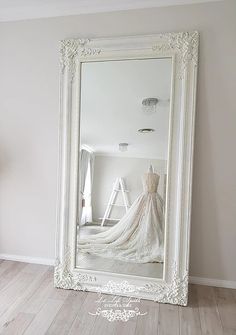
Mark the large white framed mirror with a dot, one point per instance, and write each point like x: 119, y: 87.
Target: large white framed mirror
x: 125, y: 169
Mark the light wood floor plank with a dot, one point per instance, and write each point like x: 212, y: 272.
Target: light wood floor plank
x: 58, y: 293
x: 148, y: 324
x: 21, y: 300
x: 227, y: 308
x: 209, y: 315
x: 45, y: 291
x: 67, y: 314
x: 84, y: 322
x: 44, y: 318
x: 189, y: 316
x: 124, y: 327
x: 40, y: 295
x: 233, y: 293
x: 14, y: 290
x: 4, y: 265
x: 36, y: 268
x: 18, y: 325
x: 10, y: 273
x: 168, y: 320
x: 103, y: 326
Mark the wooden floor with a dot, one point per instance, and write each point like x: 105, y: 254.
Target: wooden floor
x: 30, y: 305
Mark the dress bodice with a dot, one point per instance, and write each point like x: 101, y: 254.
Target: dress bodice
x: 150, y: 182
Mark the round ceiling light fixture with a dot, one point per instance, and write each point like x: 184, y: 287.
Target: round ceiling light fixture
x: 149, y: 105
x: 146, y: 130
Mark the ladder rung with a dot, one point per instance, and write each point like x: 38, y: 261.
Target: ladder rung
x: 109, y: 219
x: 119, y: 205
x: 118, y: 190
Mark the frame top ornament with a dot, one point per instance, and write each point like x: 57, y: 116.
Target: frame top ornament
x: 185, y: 44
x: 71, y: 49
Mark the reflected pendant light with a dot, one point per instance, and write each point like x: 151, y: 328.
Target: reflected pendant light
x: 123, y: 147
x: 149, y: 105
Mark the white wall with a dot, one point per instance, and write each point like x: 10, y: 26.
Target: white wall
x: 29, y: 122
x: 108, y: 168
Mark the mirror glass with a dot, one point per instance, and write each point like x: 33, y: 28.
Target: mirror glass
x: 124, y: 134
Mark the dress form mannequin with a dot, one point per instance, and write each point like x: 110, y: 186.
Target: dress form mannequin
x: 150, y: 169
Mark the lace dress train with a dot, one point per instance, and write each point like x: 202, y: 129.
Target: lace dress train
x: 138, y: 236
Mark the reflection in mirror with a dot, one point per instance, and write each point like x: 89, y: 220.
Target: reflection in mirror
x: 124, y: 133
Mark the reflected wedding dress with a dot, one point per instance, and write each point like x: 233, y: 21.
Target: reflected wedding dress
x: 138, y: 236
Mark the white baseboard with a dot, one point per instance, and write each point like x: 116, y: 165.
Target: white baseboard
x: 192, y: 280
x: 27, y: 259
x: 213, y: 282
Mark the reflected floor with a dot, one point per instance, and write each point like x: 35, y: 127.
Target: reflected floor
x: 92, y: 262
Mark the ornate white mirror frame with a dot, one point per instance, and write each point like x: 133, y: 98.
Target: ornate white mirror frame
x: 182, y: 48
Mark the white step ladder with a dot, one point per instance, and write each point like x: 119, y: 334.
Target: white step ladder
x: 118, y: 186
